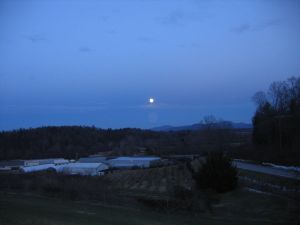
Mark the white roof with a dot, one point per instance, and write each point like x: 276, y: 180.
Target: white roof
x: 47, y: 161
x: 37, y: 167
x: 98, y: 159
x: 84, y: 165
x: 29, y: 160
x: 60, y: 160
x: 137, y: 158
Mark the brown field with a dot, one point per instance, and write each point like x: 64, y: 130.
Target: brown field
x: 153, y: 180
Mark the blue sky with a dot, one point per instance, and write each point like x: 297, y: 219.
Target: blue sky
x: 98, y: 62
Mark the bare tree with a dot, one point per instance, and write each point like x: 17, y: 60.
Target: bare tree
x: 260, y: 99
x: 280, y: 96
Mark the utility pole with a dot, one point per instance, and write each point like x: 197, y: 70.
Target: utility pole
x: 280, y: 128
x: 280, y: 134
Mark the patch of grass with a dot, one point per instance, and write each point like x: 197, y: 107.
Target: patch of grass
x: 260, y: 207
x: 239, y: 207
x: 152, y: 180
x: 283, y: 182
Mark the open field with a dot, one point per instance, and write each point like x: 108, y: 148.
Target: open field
x: 239, y: 207
x: 288, y: 183
x: 122, y: 205
x: 155, y: 180
x: 272, y: 171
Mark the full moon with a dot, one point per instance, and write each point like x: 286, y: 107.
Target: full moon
x: 151, y: 100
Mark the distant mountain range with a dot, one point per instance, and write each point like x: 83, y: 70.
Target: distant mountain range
x: 199, y: 126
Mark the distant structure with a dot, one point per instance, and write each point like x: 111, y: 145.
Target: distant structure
x: 36, y: 163
x: 11, y: 165
x: 85, y: 169
x: 55, y: 161
x: 35, y: 168
x: 93, y: 159
x: 183, y: 157
x: 88, y: 166
x: 129, y: 162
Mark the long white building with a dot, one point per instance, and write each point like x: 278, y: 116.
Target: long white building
x: 85, y: 169
x: 35, y: 168
x: 129, y: 162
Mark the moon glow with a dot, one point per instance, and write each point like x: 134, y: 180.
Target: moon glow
x: 151, y: 100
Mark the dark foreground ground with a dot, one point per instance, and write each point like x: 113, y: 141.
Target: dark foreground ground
x: 238, y: 207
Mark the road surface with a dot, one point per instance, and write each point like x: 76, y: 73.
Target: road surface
x: 267, y: 170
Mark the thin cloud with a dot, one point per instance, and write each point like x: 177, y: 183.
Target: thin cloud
x: 35, y: 38
x: 111, y: 31
x: 103, y: 18
x: 188, y: 45
x: 145, y: 39
x: 56, y: 108
x: 243, y: 28
x: 267, y: 24
x: 179, y: 18
x: 85, y: 49
x: 163, y: 105
x: 174, y: 18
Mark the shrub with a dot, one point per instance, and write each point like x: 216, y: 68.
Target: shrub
x: 217, y: 173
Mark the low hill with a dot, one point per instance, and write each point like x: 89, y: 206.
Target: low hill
x: 79, y: 141
x: 199, y: 126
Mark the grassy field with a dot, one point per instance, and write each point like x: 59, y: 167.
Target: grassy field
x: 271, y: 179
x: 155, y: 180
x: 239, y: 207
x: 245, y: 206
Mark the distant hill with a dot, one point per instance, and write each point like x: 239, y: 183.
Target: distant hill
x: 199, y: 126
x: 79, y: 141
x: 69, y: 141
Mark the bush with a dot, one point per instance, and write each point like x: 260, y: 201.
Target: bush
x: 217, y: 173
x: 58, y: 185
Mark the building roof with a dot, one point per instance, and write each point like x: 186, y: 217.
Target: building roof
x: 12, y: 163
x: 28, y: 169
x: 124, y: 158
x: 85, y: 165
x: 44, y: 160
x: 97, y: 159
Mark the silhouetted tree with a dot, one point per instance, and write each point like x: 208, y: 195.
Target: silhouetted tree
x: 217, y: 173
x: 276, y: 122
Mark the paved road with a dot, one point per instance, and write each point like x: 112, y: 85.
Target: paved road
x: 266, y: 170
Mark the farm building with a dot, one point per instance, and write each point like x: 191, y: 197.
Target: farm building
x: 85, y: 169
x: 29, y: 169
x: 31, y: 162
x: 11, y: 164
x: 128, y: 162
x: 184, y: 157
x: 55, y: 161
x: 32, y: 165
x: 93, y: 159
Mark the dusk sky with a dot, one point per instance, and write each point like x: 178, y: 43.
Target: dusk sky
x: 99, y: 62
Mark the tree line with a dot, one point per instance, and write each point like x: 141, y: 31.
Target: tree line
x: 79, y: 141
x: 276, y: 123
x: 66, y: 141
